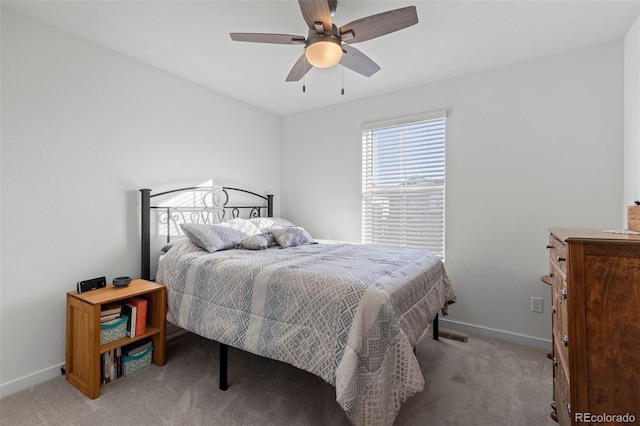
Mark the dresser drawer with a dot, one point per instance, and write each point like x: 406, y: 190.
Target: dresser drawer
x: 560, y: 315
x: 558, y: 253
x: 561, y: 388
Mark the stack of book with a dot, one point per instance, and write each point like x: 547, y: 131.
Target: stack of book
x: 110, y: 312
x: 111, y: 365
x: 136, y: 310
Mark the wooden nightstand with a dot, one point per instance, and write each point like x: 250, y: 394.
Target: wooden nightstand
x: 83, y: 330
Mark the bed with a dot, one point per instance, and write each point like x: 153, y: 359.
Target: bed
x: 348, y: 313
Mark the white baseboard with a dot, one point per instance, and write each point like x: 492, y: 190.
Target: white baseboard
x: 507, y: 336
x: 36, y: 378
x: 26, y: 382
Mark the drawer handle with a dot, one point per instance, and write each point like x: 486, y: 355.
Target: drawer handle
x: 565, y: 340
x: 549, y: 247
x: 563, y: 294
x: 553, y: 309
x: 561, y: 259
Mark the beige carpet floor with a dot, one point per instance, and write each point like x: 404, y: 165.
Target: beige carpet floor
x: 481, y: 382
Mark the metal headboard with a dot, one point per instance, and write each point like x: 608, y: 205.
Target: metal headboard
x: 206, y: 205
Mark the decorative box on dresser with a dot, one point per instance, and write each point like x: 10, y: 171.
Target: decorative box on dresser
x: 595, y: 296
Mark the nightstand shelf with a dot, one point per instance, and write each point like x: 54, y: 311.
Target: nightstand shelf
x: 83, y: 348
x: 151, y: 331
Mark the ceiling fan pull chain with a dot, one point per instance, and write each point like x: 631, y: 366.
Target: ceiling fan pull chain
x: 342, y: 66
x: 304, y: 77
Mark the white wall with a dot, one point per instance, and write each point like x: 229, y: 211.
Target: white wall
x: 631, y: 117
x: 529, y: 146
x: 83, y: 128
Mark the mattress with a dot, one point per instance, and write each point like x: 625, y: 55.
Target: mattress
x: 348, y: 313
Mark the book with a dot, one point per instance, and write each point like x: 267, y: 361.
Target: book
x: 118, y: 362
x: 107, y: 367
x: 112, y: 364
x: 141, y: 314
x: 105, y: 318
x: 111, y: 308
x: 102, y: 380
x: 131, y: 311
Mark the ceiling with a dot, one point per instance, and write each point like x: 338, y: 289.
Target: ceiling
x: 191, y: 39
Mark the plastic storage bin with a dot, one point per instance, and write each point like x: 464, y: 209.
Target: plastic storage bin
x: 113, y: 330
x: 133, y: 363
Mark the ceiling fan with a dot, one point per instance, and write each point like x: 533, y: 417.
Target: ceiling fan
x: 326, y: 45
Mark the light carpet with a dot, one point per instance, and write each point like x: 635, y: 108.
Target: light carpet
x: 481, y: 382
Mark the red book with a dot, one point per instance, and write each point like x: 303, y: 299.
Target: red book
x: 141, y: 314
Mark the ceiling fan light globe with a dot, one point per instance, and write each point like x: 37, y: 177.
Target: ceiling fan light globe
x: 324, y: 54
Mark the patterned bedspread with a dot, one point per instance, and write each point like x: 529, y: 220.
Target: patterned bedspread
x: 348, y: 313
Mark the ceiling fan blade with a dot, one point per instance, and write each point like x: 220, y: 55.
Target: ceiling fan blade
x: 378, y: 25
x: 300, y: 68
x: 357, y: 61
x: 268, y: 38
x: 316, y: 11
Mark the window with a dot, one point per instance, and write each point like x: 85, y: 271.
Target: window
x: 403, y: 173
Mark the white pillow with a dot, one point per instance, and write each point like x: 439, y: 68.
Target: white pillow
x: 243, y: 225
x: 292, y: 236
x: 212, y: 237
x: 257, y: 242
x: 265, y: 224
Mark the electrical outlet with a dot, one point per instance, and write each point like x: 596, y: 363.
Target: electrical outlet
x: 536, y: 304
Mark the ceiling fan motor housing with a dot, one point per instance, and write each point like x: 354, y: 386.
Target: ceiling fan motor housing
x: 323, y: 50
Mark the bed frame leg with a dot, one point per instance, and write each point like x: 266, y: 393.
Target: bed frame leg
x: 436, y: 333
x: 224, y: 352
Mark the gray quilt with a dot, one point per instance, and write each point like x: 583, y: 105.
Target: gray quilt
x: 348, y: 313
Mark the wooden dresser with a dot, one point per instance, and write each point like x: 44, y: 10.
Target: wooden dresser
x: 595, y: 282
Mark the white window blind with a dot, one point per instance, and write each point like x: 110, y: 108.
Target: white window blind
x: 403, y: 182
